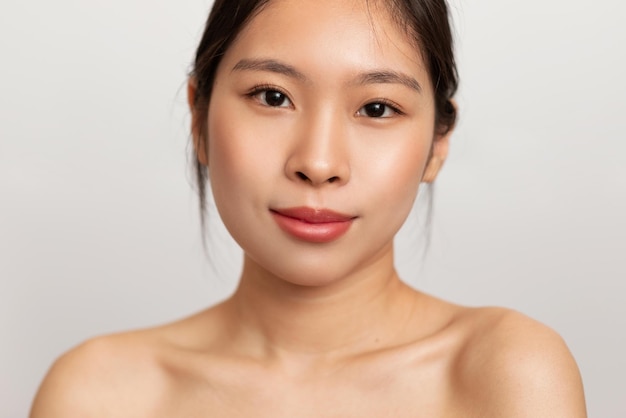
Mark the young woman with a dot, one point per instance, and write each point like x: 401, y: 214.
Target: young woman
x: 315, y: 122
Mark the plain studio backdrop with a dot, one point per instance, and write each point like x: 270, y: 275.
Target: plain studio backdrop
x: 99, y: 230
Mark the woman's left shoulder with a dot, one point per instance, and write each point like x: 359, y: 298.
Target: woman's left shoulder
x: 517, y: 366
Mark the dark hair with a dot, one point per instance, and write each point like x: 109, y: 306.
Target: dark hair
x: 427, y: 23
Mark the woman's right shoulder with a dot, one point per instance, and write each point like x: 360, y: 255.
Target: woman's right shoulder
x: 98, y: 378
x: 125, y: 374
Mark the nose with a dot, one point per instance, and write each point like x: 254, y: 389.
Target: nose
x: 319, y: 155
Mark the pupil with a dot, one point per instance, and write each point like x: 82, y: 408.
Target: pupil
x: 274, y: 98
x: 375, y: 110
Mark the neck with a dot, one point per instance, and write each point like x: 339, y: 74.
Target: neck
x: 276, y: 318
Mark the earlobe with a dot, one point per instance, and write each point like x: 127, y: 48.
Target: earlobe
x: 199, y: 142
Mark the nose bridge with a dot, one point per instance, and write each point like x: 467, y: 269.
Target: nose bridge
x: 319, y: 155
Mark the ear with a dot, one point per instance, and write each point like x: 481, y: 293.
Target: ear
x: 438, y: 154
x: 199, y: 142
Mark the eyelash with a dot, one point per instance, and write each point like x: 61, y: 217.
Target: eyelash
x: 262, y: 88
x: 385, y: 102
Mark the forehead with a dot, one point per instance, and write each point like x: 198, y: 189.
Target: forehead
x: 332, y: 34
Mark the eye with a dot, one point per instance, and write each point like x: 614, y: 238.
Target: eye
x: 378, y: 110
x: 270, y: 97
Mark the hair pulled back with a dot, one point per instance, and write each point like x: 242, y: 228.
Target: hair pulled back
x: 426, y: 22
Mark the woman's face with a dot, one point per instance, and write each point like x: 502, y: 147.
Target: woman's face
x: 319, y: 131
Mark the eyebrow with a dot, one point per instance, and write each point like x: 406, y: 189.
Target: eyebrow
x: 389, y: 77
x: 270, y: 65
x: 370, y: 77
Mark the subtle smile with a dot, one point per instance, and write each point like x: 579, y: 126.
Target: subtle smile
x: 312, y: 225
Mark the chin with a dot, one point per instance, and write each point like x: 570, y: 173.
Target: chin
x: 308, y: 270
x: 319, y: 266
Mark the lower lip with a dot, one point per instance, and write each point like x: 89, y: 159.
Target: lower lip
x: 312, y: 232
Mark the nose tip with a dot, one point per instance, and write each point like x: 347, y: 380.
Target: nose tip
x: 318, y: 168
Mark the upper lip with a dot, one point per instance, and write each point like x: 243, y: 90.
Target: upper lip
x: 313, y: 215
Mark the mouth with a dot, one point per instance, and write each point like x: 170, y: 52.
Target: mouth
x: 312, y: 225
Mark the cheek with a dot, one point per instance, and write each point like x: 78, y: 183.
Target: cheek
x: 226, y: 162
x: 236, y: 169
x: 394, y: 174
x: 395, y: 167
x: 401, y: 190
x: 236, y: 157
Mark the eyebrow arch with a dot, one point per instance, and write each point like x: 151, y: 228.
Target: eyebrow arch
x: 270, y: 65
x: 391, y: 77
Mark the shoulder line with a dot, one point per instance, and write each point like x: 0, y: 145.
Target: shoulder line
x: 520, y: 368
x: 93, y: 378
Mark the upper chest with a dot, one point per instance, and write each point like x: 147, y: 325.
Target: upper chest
x: 393, y: 386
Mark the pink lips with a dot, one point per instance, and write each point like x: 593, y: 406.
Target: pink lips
x: 312, y: 225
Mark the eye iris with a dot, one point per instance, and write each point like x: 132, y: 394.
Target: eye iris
x: 375, y: 110
x: 274, y: 98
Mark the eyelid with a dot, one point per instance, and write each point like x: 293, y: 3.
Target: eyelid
x: 394, y: 107
x: 260, y: 88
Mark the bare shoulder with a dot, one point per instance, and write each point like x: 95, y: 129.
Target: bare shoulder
x: 99, y: 378
x: 511, y: 365
x: 130, y: 374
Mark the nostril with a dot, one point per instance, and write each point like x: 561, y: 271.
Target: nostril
x: 306, y: 178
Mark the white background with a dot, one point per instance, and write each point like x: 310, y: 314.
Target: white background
x: 99, y: 229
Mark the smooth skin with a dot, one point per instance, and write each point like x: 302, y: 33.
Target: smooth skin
x: 300, y: 116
